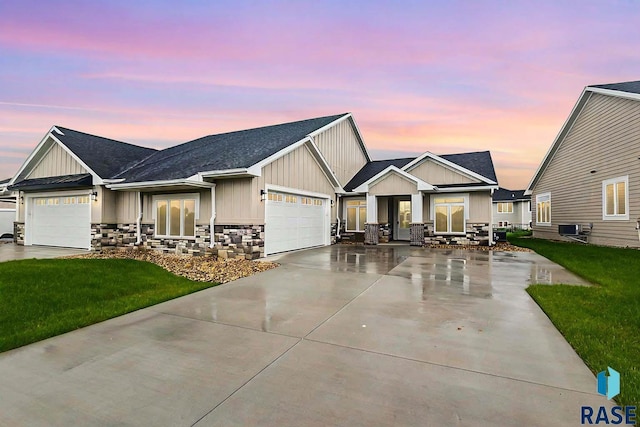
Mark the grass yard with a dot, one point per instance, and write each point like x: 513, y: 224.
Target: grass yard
x: 43, y: 298
x: 602, y: 322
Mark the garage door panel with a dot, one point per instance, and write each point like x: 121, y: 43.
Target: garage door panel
x: 61, y: 221
x: 294, y: 221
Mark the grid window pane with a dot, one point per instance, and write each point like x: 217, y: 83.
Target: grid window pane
x: 457, y: 219
x: 362, y: 218
x: 161, y: 218
x: 189, y: 217
x: 174, y: 218
x: 442, y: 212
x: 621, y: 196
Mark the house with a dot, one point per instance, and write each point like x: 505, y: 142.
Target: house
x: 424, y: 200
x: 248, y: 193
x: 511, y: 209
x: 587, y: 187
x: 7, y: 208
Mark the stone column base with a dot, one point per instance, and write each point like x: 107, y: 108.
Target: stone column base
x: 416, y: 234
x: 371, y: 234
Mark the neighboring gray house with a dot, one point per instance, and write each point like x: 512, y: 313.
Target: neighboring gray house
x: 587, y: 187
x: 248, y: 193
x: 511, y: 209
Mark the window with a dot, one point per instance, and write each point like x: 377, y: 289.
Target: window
x: 449, y: 214
x: 176, y: 215
x: 356, y: 215
x: 275, y: 197
x: 317, y: 202
x: 543, y: 209
x: 53, y: 201
x: 505, y: 207
x: 83, y: 200
x: 41, y: 202
x: 615, y: 198
x: 69, y: 201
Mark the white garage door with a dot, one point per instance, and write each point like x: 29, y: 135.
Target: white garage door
x: 294, y: 221
x: 61, y: 221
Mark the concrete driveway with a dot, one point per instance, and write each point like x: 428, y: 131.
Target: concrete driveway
x: 11, y: 251
x: 342, y: 335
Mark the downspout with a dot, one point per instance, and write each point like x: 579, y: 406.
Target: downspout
x: 213, y: 216
x: 338, y: 217
x: 491, y: 242
x: 139, y: 220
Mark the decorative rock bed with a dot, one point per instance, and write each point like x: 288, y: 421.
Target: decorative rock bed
x: 202, y: 268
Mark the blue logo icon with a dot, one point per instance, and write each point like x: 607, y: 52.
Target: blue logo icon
x: 609, y: 385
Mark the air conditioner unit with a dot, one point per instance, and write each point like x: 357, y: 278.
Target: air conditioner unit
x: 569, y: 229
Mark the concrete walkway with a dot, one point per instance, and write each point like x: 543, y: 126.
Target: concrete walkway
x: 341, y: 335
x: 11, y: 251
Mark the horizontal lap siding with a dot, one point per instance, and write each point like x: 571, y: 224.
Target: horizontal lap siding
x: 341, y: 149
x: 605, y: 138
x: 56, y: 162
x: 433, y: 173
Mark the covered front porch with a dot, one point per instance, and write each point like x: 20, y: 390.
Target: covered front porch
x: 400, y: 207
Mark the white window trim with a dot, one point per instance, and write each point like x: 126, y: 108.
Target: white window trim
x: 615, y: 217
x: 465, y: 204
x: 539, y: 198
x: 357, y: 208
x: 169, y: 197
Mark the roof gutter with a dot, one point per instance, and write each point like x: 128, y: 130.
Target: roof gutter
x: 159, y: 184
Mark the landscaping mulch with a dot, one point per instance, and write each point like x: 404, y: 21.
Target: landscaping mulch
x: 199, y: 268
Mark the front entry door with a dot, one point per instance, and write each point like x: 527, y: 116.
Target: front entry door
x: 403, y: 219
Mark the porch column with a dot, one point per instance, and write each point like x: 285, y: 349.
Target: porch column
x: 416, y: 233
x: 371, y: 225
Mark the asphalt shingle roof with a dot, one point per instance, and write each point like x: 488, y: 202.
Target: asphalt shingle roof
x: 505, y: 195
x: 479, y: 162
x: 106, y: 157
x: 233, y: 150
x: 51, y: 182
x: 631, y: 87
x: 373, y: 168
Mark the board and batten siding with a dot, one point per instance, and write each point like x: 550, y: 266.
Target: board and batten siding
x: 341, y: 148
x: 393, y: 184
x: 238, y: 201
x: 605, y: 138
x: 437, y: 174
x: 56, y: 162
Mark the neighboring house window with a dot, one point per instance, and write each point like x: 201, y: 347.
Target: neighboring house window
x: 176, y: 215
x: 543, y: 209
x: 450, y: 215
x: 356, y: 215
x: 615, y: 198
x: 528, y: 206
x: 505, y: 207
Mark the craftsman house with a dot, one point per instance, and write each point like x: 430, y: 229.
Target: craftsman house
x: 247, y: 193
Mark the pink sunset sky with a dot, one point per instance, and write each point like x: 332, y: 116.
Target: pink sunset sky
x: 444, y: 77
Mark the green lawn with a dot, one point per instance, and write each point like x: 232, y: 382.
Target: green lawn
x: 602, y: 322
x: 43, y: 298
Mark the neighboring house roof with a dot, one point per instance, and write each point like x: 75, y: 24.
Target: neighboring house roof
x: 53, y: 182
x: 106, y: 157
x: 505, y: 195
x: 627, y: 90
x: 226, y: 151
x: 373, y: 168
x: 478, y: 162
